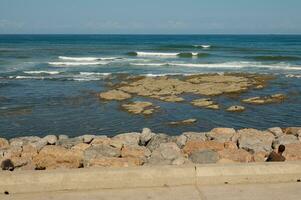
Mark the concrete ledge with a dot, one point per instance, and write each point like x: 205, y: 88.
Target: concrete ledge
x: 157, y: 176
x: 248, y: 173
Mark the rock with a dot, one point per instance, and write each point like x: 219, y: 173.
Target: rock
x: 276, y: 98
x: 195, y: 136
x: 293, y: 131
x: 292, y: 152
x: 171, y: 98
x: 129, y: 139
x: 51, y: 139
x: 236, y: 108
x: 230, y: 145
x: 260, y: 156
x: 236, y: 155
x: 52, y: 157
x: 255, y: 141
x: 13, y: 151
x: 146, y: 136
x: 4, y: 143
x: 114, y: 95
x: 69, y: 143
x: 169, y: 151
x: 180, y: 161
x: 184, y: 122
x: 139, y: 107
x: 204, y: 156
x: 29, y: 151
x: 221, y: 134
x: 101, y: 150
x: 113, y: 162
x: 197, y: 145
x: 87, y: 138
x: 135, y: 152
x: 181, y: 141
x: 276, y: 131
x: 284, y: 140
x: 156, y: 158
x: 63, y: 137
x: 205, y: 103
x: 157, y: 140
x: 81, y: 146
x: 20, y: 141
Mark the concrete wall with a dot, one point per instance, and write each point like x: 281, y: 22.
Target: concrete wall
x: 157, y: 176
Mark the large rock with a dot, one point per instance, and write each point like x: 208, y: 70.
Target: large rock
x: 165, y: 154
x: 87, y: 138
x: 236, y: 155
x: 183, y: 122
x: 277, y: 131
x: 204, y: 156
x: 129, y: 139
x: 20, y: 141
x: 139, y: 107
x: 197, y: 145
x: 4, y: 143
x: 292, y: 152
x: 221, y: 134
x: 146, y: 136
x: 52, y: 157
x: 205, y: 103
x: 51, y: 139
x: 157, y: 140
x: 181, y: 141
x: 101, y: 150
x: 115, y: 95
x: 284, y: 140
x: 293, y: 131
x: 113, y: 162
x: 195, y: 136
x: 254, y: 141
x: 135, y: 152
x: 275, y: 98
x: 69, y: 143
x: 236, y: 108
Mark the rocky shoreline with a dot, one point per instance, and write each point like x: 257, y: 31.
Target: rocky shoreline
x: 220, y: 145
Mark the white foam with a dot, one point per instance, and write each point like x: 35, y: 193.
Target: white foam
x: 79, y: 59
x: 77, y: 63
x: 94, y: 74
x: 205, y: 46
x: 42, y: 72
x: 293, y: 76
x: 27, y: 77
x: 157, y: 54
x: 149, y: 64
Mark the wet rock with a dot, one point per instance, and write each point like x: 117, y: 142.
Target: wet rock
x: 157, y: 140
x: 129, y: 139
x: 52, y: 157
x: 139, y: 107
x: 51, y: 139
x: 284, y: 140
x: 221, y: 134
x: 205, y: 103
x: 254, y: 141
x: 236, y: 108
x: 236, y: 155
x: 276, y: 131
x: 195, y: 136
x: 204, y: 156
x: 114, y: 95
x: 184, y: 122
x: 171, y: 98
x: 276, y: 98
x: 146, y: 136
x: 4, y: 143
x: 196, y: 145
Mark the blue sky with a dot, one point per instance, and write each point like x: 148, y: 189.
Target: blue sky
x: 151, y: 16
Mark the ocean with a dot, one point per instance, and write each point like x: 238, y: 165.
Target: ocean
x: 48, y: 83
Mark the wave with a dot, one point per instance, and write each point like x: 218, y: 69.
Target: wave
x: 293, y: 76
x: 79, y: 59
x: 241, y: 64
x: 77, y: 63
x: 276, y: 58
x: 94, y: 74
x: 204, y: 46
x: 161, y: 54
x: 42, y: 72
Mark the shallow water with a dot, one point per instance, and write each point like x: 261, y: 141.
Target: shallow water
x: 48, y: 82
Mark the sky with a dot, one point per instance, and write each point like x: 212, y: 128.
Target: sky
x: 150, y: 16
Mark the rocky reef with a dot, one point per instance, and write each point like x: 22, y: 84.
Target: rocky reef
x: 220, y: 145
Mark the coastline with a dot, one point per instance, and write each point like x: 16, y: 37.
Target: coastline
x: 220, y: 145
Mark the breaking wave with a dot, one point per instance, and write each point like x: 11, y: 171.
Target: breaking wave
x: 42, y: 72
x: 161, y: 54
x: 77, y: 63
x: 79, y: 59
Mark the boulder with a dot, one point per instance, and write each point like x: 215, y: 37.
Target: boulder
x: 146, y: 136
x: 183, y: 122
x: 255, y: 141
x: 135, y: 152
x: 195, y: 136
x: 63, y: 137
x: 87, y: 138
x: 114, y: 95
x: 284, y: 140
x: 221, y: 134
x: 69, y: 143
x: 157, y: 140
x: 52, y: 157
x: 293, y: 131
x: 260, y: 156
x: 51, y: 139
x: 292, y: 152
x: 165, y: 154
x: 101, y: 150
x: 275, y: 98
x: 129, y: 139
x: 113, y: 162
x: 204, y: 156
x: 230, y: 145
x: 81, y: 146
x: 139, y: 107
x: 236, y: 108
x: 205, y: 103
x: 236, y: 155
x: 29, y: 151
x: 4, y: 143
x: 197, y: 145
x: 20, y: 141
x: 181, y: 141
x: 276, y: 131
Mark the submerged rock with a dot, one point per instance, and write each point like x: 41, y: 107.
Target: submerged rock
x: 114, y: 95
x: 183, y: 122
x: 276, y: 98
x: 205, y: 103
x: 236, y: 109
x: 139, y: 107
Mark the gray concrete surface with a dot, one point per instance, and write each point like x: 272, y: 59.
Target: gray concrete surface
x: 280, y: 191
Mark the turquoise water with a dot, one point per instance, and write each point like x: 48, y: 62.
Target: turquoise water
x: 48, y: 82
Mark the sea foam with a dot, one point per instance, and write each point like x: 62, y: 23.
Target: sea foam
x: 77, y: 63
x: 79, y: 59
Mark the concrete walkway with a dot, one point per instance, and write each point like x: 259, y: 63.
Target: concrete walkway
x: 286, y: 191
